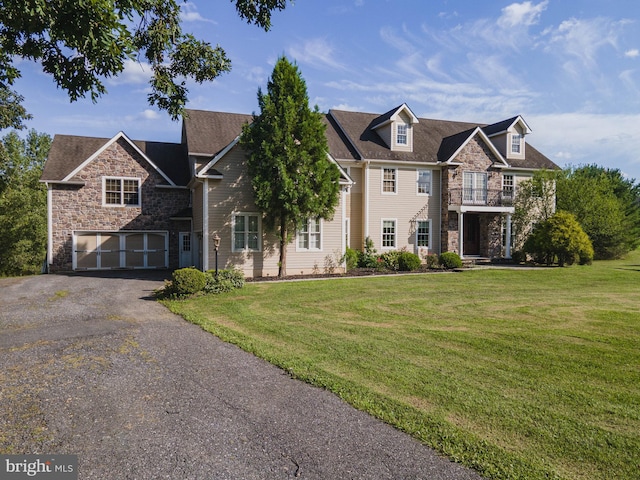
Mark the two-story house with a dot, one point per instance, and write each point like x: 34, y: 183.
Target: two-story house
x: 406, y: 182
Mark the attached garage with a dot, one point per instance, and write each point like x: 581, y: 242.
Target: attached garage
x: 120, y: 250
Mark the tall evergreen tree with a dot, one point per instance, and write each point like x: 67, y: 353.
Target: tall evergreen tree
x: 23, y: 203
x: 292, y: 177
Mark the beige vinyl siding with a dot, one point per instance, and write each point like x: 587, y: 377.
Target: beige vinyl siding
x: 406, y: 206
x: 233, y: 194
x: 386, y: 134
x: 355, y: 212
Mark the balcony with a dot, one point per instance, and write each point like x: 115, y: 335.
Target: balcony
x: 481, y: 197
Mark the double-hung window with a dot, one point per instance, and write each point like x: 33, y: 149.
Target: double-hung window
x: 121, y: 191
x: 388, y: 234
x: 309, y: 235
x: 402, y: 134
x: 389, y: 180
x: 246, y: 232
x: 516, y: 140
x: 424, y: 182
x: 507, y: 187
x: 423, y: 233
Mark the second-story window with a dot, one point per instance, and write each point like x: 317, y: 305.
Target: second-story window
x: 401, y: 134
x: 507, y: 186
x: 389, y: 180
x: 123, y: 192
x: 424, y: 182
x: 516, y: 141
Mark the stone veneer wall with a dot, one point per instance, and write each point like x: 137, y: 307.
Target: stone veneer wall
x: 79, y: 208
x: 474, y: 157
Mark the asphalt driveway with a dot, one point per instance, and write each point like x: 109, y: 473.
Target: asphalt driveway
x: 92, y: 366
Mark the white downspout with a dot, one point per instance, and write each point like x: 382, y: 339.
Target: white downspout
x: 366, y: 200
x: 343, y: 221
x: 507, y: 252
x: 461, y: 234
x: 205, y: 225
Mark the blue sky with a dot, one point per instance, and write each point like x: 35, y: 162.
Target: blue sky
x: 570, y: 68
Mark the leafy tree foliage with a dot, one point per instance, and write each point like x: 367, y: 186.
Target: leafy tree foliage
x: 81, y: 43
x: 23, y: 203
x: 535, y: 201
x: 606, y: 205
x: 292, y: 177
x: 559, y: 239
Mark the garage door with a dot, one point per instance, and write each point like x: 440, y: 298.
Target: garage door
x: 110, y: 250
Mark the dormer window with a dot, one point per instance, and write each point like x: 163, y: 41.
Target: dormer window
x: 401, y: 134
x: 516, y: 140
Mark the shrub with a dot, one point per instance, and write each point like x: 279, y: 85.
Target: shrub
x: 229, y: 279
x: 350, y: 258
x: 450, y: 260
x: 389, y: 260
x: 559, y: 239
x: 407, y: 262
x: 432, y: 260
x: 187, y: 281
x: 368, y: 258
x: 518, y: 256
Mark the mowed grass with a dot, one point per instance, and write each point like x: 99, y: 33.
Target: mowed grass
x: 517, y: 373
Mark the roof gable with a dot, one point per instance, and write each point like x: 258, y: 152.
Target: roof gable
x: 118, y: 136
x: 69, y: 154
x: 506, y: 125
x: 452, y: 146
x: 393, y: 115
x: 206, y: 133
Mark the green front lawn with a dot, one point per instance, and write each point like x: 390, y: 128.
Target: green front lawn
x: 517, y: 373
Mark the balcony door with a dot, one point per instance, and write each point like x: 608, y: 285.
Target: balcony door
x: 475, y: 188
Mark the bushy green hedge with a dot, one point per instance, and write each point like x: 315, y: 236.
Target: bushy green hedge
x: 559, y: 239
x: 450, y: 260
x: 227, y: 280
x: 351, y: 258
x: 408, y: 262
x: 187, y: 281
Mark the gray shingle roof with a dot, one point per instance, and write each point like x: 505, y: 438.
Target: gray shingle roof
x: 208, y: 133
x: 69, y: 151
x: 433, y: 140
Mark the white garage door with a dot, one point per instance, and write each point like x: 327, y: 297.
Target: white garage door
x: 110, y: 250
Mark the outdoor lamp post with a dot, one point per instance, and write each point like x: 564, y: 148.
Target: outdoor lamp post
x: 216, y: 246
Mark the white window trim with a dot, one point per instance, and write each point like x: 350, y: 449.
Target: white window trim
x: 121, y: 204
x: 382, y: 169
x: 395, y: 233
x: 520, y: 143
x: 418, y: 182
x: 406, y: 134
x: 430, y: 238
x: 246, y: 240
x: 300, y: 249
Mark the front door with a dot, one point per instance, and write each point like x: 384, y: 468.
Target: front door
x: 186, y: 256
x: 471, y: 239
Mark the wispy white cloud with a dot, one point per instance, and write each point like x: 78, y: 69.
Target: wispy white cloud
x: 606, y: 139
x: 519, y: 14
x: 583, y: 39
x: 632, y: 53
x: 134, y: 73
x: 317, y: 52
x: 189, y: 13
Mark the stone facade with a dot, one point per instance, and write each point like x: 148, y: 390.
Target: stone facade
x: 80, y: 208
x: 476, y: 156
